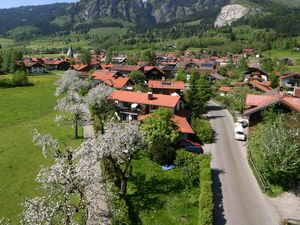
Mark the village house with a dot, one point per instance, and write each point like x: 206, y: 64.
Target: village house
x: 184, y: 128
x: 154, y: 73
x: 257, y: 104
x: 118, y: 60
x: 224, y: 90
x: 256, y: 74
x: 213, y: 77
x: 291, y: 81
x: 166, y: 87
x: 115, y: 79
x: 130, y: 105
x: 169, y: 68
x: 82, y: 68
x: 56, y: 64
x: 248, y: 52
x: 126, y: 69
x: 35, y: 67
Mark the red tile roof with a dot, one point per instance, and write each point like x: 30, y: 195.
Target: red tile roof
x: 158, y: 84
x: 167, y: 101
x: 260, y: 85
x: 125, y: 68
x: 80, y: 67
x: 113, y: 79
x: 225, y: 89
x: 182, y: 123
x: 292, y: 102
x: 261, y: 102
x: 149, y: 68
x: 256, y: 100
x: 106, y: 66
x: 290, y: 75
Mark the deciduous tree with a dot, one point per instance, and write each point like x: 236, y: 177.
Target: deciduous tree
x: 161, y: 133
x: 276, y: 151
x: 64, y: 184
x: 119, y: 144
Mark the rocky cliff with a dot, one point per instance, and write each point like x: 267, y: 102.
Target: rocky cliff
x: 230, y: 14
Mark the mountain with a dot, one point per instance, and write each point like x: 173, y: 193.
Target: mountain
x: 30, y: 21
x: 36, y: 16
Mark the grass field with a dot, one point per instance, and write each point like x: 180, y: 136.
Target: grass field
x: 280, y: 53
x: 159, y: 197
x: 23, y: 110
x: 6, y: 42
x: 106, y: 31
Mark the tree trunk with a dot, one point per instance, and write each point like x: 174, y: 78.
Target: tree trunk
x: 123, y: 185
x: 76, y: 129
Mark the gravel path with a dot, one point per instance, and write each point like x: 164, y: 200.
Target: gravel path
x: 96, y: 193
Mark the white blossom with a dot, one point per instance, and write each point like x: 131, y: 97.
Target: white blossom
x: 98, y: 95
x: 120, y: 141
x: 39, y: 211
x: 71, y: 81
x: 72, y: 172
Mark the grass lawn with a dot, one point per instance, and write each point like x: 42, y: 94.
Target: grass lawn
x: 105, y: 31
x: 281, y: 53
x: 22, y: 110
x: 159, y: 197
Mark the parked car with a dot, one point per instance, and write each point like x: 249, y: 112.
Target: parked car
x: 244, y: 123
x: 239, y: 132
x: 194, y: 149
x: 185, y: 143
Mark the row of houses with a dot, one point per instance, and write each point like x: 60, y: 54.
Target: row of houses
x: 283, y: 99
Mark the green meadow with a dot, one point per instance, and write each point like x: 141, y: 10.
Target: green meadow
x: 21, y: 111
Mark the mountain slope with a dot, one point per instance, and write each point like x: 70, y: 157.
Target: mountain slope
x: 142, y: 14
x: 38, y: 16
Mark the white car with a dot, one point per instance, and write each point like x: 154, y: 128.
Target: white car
x: 239, y: 132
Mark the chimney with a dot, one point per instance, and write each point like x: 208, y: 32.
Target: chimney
x: 150, y: 95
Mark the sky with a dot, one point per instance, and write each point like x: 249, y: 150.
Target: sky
x: 16, y: 3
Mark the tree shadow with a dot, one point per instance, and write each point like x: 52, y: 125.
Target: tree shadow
x: 214, y: 137
x: 146, y: 197
x: 214, y: 117
x: 219, y: 217
x: 214, y: 108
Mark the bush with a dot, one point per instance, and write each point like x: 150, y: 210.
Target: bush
x: 6, y: 83
x: 189, y: 164
x: 203, y: 129
x: 117, y: 206
x: 20, y: 79
x: 162, y: 154
x: 206, y: 205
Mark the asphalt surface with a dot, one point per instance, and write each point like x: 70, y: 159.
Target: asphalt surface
x: 238, y: 198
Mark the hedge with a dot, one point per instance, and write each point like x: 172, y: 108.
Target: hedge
x: 206, y: 205
x: 189, y: 163
x: 203, y: 129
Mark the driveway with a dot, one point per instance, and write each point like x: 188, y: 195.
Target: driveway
x: 238, y: 198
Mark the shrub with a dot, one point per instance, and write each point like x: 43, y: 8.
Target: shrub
x: 20, y: 79
x: 189, y: 164
x: 203, y: 129
x: 162, y: 154
x: 117, y: 206
x: 206, y: 205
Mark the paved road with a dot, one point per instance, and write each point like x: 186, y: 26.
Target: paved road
x: 238, y: 199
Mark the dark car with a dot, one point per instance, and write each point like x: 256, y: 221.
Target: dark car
x: 194, y: 149
x: 186, y: 143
